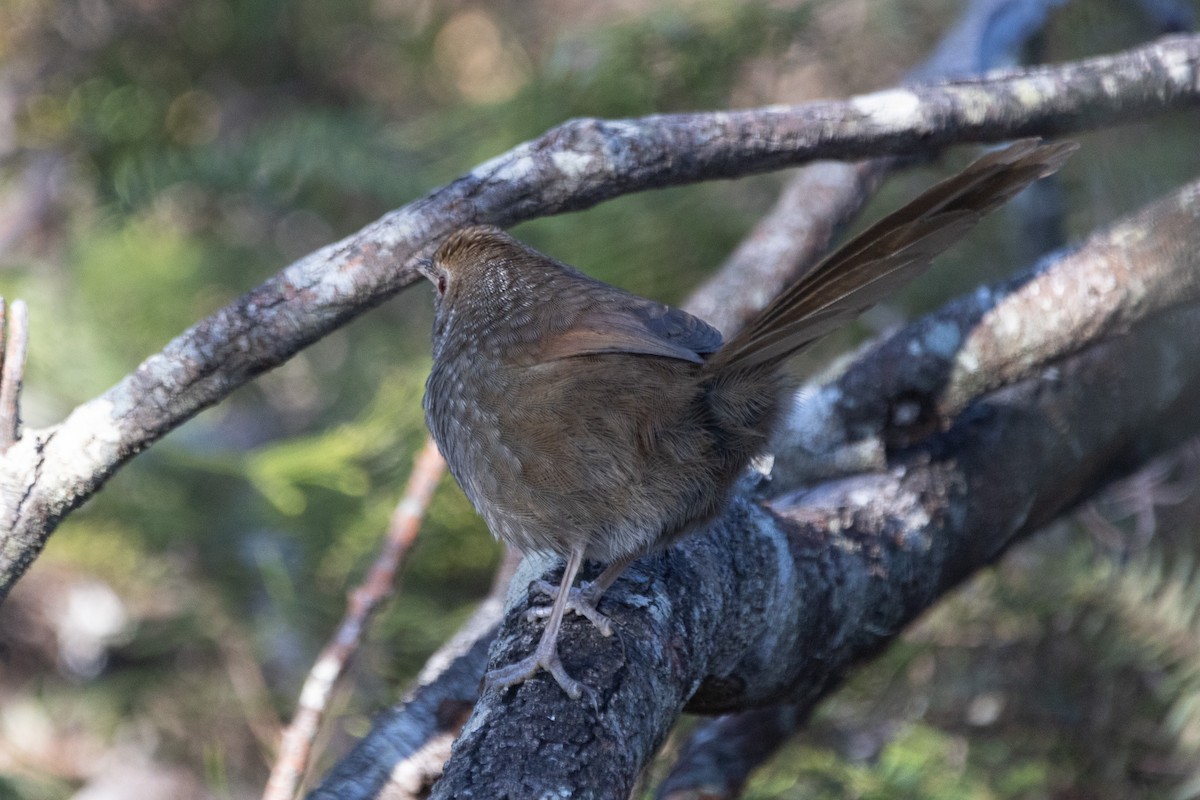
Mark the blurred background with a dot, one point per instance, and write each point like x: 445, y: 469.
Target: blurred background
x: 160, y: 157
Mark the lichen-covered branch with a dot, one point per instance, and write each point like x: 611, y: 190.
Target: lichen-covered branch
x: 776, y: 605
x: 921, y: 380
x: 51, y: 471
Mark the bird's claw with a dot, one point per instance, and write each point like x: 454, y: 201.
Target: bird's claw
x: 580, y: 602
x: 526, y: 668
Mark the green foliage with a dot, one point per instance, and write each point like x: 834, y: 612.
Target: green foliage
x: 1155, y: 602
x: 337, y: 459
x: 920, y: 763
x: 21, y: 788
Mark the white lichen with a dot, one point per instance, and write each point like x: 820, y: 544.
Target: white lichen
x: 893, y: 108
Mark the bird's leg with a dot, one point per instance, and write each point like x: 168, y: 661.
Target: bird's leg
x: 546, y: 655
x: 584, y: 601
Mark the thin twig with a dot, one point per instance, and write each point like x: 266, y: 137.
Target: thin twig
x: 295, y: 750
x: 16, y: 342
x: 403, y: 754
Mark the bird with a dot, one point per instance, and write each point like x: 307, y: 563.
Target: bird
x: 585, y: 421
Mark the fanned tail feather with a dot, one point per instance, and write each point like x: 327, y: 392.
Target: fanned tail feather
x: 887, y: 255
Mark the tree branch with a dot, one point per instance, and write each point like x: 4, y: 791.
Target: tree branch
x: 921, y: 381
x: 580, y: 163
x: 824, y: 196
x: 719, y: 754
x: 769, y: 606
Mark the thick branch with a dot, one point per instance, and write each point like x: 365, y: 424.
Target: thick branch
x: 574, y: 166
x: 764, y: 607
x: 921, y: 380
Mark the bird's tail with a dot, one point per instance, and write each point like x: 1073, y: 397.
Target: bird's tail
x: 887, y: 255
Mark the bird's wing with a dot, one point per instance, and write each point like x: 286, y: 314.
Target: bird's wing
x: 626, y: 323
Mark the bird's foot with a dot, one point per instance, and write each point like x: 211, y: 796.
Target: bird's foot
x: 581, y: 602
x: 542, y: 658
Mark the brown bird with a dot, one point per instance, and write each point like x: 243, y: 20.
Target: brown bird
x: 589, y: 422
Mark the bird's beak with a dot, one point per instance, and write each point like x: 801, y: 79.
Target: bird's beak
x: 425, y: 267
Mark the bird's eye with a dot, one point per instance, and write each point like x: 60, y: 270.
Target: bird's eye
x: 441, y: 285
